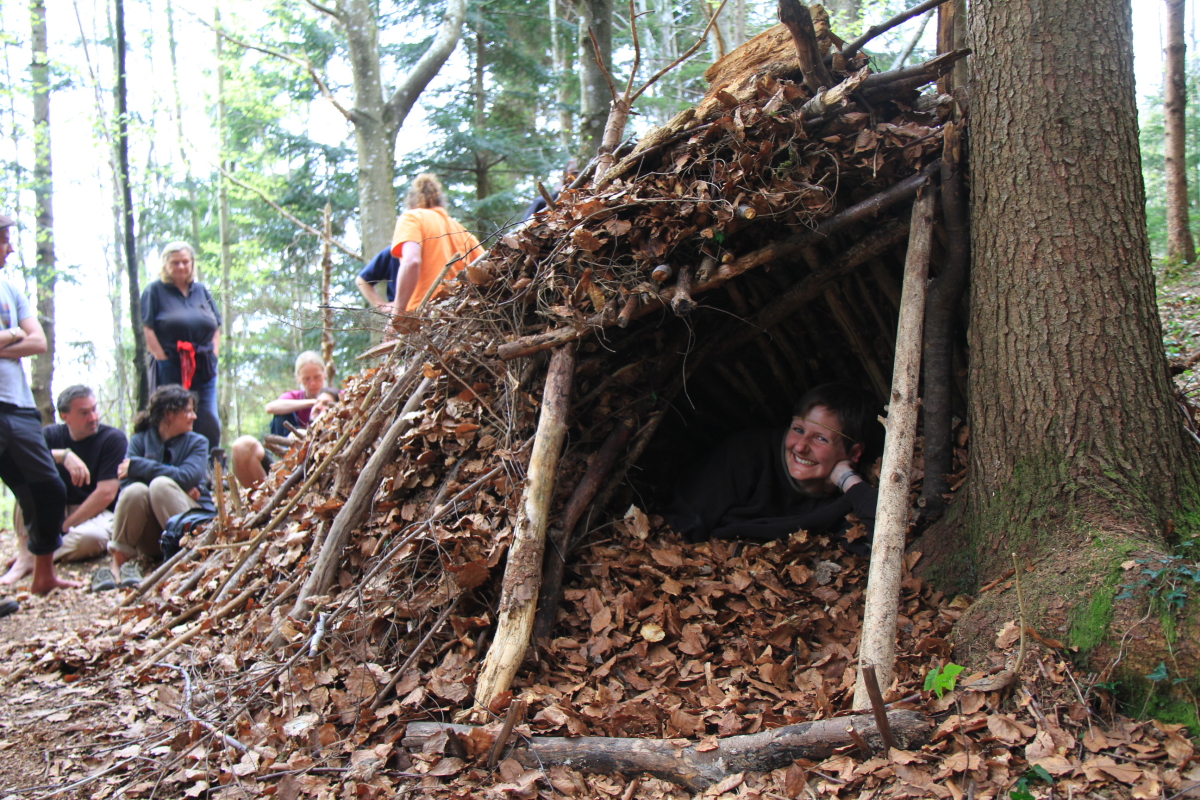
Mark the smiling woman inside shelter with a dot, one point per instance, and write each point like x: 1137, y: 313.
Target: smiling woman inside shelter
x: 769, y: 483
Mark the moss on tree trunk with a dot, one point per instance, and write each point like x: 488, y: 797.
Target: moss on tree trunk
x: 1078, y: 456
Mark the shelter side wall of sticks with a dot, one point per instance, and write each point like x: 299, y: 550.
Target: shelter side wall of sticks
x: 747, y: 251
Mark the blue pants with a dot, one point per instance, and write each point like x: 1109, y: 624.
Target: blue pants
x: 29, y: 471
x: 208, y: 424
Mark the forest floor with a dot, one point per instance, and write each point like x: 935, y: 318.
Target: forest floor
x: 59, y: 723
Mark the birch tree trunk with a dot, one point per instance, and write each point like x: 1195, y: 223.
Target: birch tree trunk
x: 43, y: 191
x: 1181, y: 247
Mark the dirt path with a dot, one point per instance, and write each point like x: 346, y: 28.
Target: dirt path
x: 51, y: 718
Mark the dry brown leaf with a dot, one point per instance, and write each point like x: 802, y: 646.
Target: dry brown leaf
x: 1009, y: 730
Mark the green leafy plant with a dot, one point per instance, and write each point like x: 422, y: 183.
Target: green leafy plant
x: 942, y: 679
x: 1020, y: 790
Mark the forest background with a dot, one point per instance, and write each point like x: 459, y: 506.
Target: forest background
x: 234, y: 119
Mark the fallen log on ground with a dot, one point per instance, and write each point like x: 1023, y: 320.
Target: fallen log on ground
x: 679, y: 761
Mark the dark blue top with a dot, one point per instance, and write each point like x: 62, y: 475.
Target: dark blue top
x: 382, y: 266
x: 183, y: 459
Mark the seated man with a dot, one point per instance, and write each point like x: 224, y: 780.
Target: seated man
x: 248, y: 458
x: 164, y: 474
x: 767, y: 484
x: 87, y: 454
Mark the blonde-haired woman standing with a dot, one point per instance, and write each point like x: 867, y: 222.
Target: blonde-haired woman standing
x: 425, y: 240
x: 183, y: 333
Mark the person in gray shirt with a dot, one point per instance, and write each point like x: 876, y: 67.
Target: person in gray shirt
x: 26, y: 465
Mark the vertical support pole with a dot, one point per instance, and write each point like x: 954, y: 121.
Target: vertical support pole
x: 523, y: 575
x: 326, y: 281
x: 878, y: 643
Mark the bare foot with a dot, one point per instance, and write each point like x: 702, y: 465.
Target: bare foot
x: 47, y: 585
x: 18, y: 569
x: 44, y: 579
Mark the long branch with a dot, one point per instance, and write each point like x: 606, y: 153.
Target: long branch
x: 290, y: 218
x: 884, y: 27
x: 303, y: 63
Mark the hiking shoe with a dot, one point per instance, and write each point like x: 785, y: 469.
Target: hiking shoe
x: 9, y: 606
x: 102, y: 580
x: 130, y: 575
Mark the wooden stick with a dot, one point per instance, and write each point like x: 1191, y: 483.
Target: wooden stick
x: 350, y: 515
x: 550, y: 204
x: 629, y: 311
x: 779, y: 250
x: 681, y: 763
x: 203, y: 624
x: 945, y: 295
x: 926, y: 71
x: 327, y: 293
x: 264, y: 513
x: 179, y: 559
x: 875, y: 30
x: 682, y: 303
x: 554, y: 563
x: 219, y: 496
x: 881, y: 720
x: 416, y: 651
x: 878, y: 643
x: 796, y: 18
x: 523, y: 574
x: 516, y: 710
x: 370, y: 429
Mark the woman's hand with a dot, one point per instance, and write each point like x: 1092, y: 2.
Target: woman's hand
x: 843, y: 476
x: 123, y: 469
x: 194, y: 493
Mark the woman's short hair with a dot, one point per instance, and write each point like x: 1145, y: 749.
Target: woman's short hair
x: 165, y: 400
x: 425, y: 192
x: 175, y: 247
x: 309, y: 357
x: 855, y: 410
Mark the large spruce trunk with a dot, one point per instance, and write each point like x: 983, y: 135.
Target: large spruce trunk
x: 1078, y: 458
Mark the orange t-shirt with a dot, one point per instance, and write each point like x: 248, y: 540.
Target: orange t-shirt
x: 441, y: 238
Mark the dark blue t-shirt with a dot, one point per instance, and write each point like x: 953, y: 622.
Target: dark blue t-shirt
x: 382, y: 266
x: 175, y: 318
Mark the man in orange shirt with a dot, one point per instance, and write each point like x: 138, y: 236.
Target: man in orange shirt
x: 426, y: 240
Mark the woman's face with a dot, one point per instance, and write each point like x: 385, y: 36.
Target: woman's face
x: 310, y: 377
x: 814, y: 445
x: 179, y: 266
x: 177, y: 422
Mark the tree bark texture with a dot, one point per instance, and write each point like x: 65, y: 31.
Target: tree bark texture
x: 685, y: 765
x: 523, y: 572
x: 131, y: 268
x: 377, y: 121
x: 1070, y: 400
x: 224, y: 365
x: 46, y: 276
x: 881, y: 604
x: 594, y: 94
x: 1181, y: 246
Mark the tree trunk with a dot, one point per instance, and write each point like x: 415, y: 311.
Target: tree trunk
x: 225, y: 365
x: 43, y: 191
x: 131, y: 261
x: 1180, y: 245
x: 376, y: 121
x: 189, y: 179
x: 562, y: 68
x: 1077, y: 457
x: 594, y: 94
x: 844, y: 15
